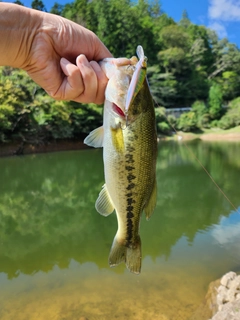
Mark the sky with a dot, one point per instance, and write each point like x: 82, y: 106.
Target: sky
x: 221, y: 15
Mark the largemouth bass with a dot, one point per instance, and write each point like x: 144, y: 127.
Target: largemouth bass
x: 129, y: 140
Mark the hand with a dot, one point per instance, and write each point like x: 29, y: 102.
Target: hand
x: 59, y: 55
x: 82, y: 81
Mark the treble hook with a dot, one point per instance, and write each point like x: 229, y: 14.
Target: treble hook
x: 126, y: 123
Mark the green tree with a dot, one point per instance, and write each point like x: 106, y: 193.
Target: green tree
x: 122, y: 26
x: 162, y: 122
x: 230, y: 83
x: 185, y: 22
x: 18, y: 2
x: 187, y: 122
x: 163, y: 86
x: 201, y: 47
x: 173, y: 36
x: 231, y: 118
x: 15, y: 98
x: 226, y: 56
x: 160, y: 21
x: 175, y: 66
x: 57, y: 9
x: 215, y: 101
x: 28, y: 114
x: 202, y: 114
x: 38, y: 5
x: 79, y: 12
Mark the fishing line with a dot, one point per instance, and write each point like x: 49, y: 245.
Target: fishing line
x: 200, y: 163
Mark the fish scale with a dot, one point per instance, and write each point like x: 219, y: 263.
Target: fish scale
x: 129, y: 153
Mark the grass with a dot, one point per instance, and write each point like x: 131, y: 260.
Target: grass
x: 221, y: 131
x: 212, y: 131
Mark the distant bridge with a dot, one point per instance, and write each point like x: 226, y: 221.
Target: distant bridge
x: 177, y: 111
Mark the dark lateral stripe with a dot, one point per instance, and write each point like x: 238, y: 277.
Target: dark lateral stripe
x: 131, y: 186
x: 129, y: 168
x: 130, y: 177
x: 130, y: 215
x: 129, y: 232
x: 130, y: 201
x: 129, y: 158
x: 130, y: 149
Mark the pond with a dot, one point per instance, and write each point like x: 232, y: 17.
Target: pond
x: 54, y: 246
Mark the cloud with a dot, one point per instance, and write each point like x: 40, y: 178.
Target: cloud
x: 225, y: 10
x: 227, y: 235
x: 219, y: 28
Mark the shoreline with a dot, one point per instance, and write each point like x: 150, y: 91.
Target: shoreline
x: 19, y: 148
x: 210, y: 136
x: 214, y: 134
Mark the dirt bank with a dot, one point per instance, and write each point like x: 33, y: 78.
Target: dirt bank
x: 19, y: 148
x: 235, y: 136
x: 209, y: 136
x: 11, y: 149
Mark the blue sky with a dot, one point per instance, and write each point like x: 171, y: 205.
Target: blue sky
x: 221, y: 15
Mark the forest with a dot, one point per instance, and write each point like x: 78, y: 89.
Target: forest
x: 188, y: 66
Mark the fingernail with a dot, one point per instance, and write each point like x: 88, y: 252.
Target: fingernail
x: 66, y: 66
x: 64, y: 61
x: 81, y: 59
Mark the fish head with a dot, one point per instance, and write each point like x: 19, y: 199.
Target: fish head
x: 126, y: 78
x: 119, y: 72
x: 135, y: 100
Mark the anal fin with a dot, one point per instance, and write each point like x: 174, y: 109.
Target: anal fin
x: 103, y: 203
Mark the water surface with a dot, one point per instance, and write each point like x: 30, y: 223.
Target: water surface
x: 54, y: 246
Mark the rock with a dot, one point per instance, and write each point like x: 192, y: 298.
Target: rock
x: 227, y: 278
x: 221, y: 295
x: 230, y: 311
x: 222, y: 301
x: 231, y: 295
x: 235, y: 284
x: 228, y: 298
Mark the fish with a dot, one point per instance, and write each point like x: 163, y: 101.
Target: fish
x: 129, y: 140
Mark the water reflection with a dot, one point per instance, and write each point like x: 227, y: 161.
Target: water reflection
x: 51, y: 233
x: 227, y: 235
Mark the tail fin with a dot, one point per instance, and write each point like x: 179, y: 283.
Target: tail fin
x: 130, y: 255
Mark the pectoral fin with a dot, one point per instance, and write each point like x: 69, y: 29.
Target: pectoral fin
x: 104, y: 204
x: 95, y: 138
x: 150, y: 206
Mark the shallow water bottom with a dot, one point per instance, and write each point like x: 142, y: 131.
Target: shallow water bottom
x: 85, y: 292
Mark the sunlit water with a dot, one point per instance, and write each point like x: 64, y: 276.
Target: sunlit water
x: 54, y: 246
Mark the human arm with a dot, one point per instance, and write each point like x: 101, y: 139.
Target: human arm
x: 58, y: 54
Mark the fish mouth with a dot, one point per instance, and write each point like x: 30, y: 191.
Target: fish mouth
x: 138, y: 78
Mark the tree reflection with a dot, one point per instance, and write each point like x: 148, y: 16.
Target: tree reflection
x: 47, y: 214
